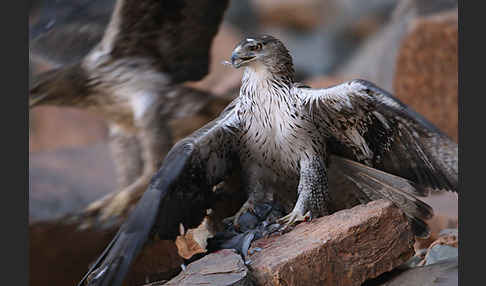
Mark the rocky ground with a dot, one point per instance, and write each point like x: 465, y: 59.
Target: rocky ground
x: 409, y: 49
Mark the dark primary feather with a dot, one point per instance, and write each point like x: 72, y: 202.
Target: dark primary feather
x: 114, y: 262
x: 399, y: 140
x: 372, y: 184
x: 180, y: 192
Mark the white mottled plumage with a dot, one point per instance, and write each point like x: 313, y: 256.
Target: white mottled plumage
x: 273, y: 134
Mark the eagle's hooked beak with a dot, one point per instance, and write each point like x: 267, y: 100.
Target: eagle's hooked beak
x: 240, y: 57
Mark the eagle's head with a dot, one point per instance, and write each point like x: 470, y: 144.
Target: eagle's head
x: 265, y: 51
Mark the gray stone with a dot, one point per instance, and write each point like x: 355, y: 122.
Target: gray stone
x: 222, y: 268
x: 440, y: 252
x: 444, y: 273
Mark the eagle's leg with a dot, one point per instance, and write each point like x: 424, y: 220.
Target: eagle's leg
x: 125, y: 149
x: 247, y: 206
x: 313, y: 195
x: 253, y: 186
x: 156, y: 140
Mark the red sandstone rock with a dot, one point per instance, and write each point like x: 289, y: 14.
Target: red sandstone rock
x: 345, y: 248
x: 426, y: 75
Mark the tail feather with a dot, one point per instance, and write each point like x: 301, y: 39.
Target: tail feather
x: 374, y: 184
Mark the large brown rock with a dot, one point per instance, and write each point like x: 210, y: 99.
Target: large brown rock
x: 426, y: 75
x: 345, y: 248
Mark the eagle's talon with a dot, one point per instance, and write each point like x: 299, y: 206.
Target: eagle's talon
x: 247, y: 206
x: 293, y: 219
x: 108, y: 207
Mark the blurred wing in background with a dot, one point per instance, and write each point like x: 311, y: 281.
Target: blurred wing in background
x: 63, y: 32
x: 174, y: 35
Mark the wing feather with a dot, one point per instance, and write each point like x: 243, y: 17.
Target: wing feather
x: 367, y: 124
x: 175, y: 35
x: 180, y: 192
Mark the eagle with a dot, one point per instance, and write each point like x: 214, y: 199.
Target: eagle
x: 133, y: 77
x: 283, y: 137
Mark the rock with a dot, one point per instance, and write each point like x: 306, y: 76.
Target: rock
x: 440, y: 252
x: 447, y: 237
x: 377, y: 57
x: 426, y: 75
x: 444, y: 273
x: 345, y: 248
x: 445, y: 247
x: 222, y: 268
x: 442, y: 248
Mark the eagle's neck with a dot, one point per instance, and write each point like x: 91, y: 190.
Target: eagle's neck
x: 264, y: 87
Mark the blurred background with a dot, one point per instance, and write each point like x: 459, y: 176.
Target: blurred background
x: 408, y: 47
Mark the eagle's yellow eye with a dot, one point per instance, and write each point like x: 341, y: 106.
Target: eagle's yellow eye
x: 256, y: 47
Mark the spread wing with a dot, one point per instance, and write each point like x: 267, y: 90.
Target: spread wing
x: 366, y: 124
x: 180, y: 192
x: 174, y: 35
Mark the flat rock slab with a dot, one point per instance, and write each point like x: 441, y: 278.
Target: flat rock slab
x: 444, y: 273
x: 222, y: 268
x: 345, y: 248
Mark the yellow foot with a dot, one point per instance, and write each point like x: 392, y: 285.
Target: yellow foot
x: 293, y: 218
x: 111, y: 206
x: 247, y: 206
